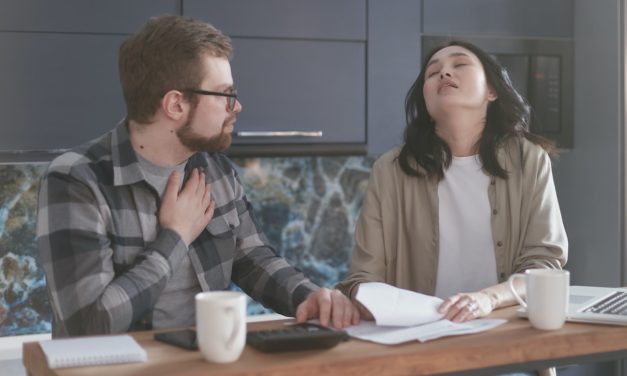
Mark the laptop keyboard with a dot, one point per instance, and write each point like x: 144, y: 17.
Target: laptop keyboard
x: 615, y: 304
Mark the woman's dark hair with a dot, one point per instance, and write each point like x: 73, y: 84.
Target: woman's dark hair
x: 507, y: 117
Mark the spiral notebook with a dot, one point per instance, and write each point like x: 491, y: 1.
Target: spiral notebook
x: 91, y: 351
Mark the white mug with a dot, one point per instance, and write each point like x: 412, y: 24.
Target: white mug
x: 547, y: 296
x: 221, y: 325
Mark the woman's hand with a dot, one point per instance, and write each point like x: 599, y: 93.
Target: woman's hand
x: 466, y: 306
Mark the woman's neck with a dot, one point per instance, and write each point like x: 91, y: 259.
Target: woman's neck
x: 461, y: 133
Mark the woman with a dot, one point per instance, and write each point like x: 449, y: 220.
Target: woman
x: 468, y: 200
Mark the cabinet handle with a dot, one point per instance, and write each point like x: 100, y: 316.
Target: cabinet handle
x: 279, y: 134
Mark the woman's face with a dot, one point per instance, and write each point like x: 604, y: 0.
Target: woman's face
x: 455, y: 79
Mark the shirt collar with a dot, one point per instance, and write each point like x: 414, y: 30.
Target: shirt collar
x: 126, y: 168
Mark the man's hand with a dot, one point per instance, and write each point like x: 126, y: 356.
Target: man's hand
x: 328, y: 305
x: 364, y: 313
x: 189, y: 211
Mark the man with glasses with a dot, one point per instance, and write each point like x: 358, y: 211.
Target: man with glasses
x: 135, y: 223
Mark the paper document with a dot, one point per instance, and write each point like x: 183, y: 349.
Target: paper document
x: 403, y: 315
x: 393, y: 335
x: 392, y: 306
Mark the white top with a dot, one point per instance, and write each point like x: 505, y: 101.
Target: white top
x: 467, y: 262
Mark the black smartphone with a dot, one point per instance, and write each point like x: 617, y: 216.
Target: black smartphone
x: 185, y: 338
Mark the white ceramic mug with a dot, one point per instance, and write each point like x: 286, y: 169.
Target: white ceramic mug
x: 221, y: 325
x: 547, y: 296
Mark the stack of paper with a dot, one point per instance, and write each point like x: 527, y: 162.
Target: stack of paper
x: 403, y: 315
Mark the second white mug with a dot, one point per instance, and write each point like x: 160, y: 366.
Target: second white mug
x: 547, y: 296
x: 221, y: 325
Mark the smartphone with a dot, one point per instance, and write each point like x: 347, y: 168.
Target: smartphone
x: 185, y: 338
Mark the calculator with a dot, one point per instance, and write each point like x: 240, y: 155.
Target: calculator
x: 297, y: 337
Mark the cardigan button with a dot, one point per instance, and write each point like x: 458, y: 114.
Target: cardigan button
x: 495, y: 211
x: 499, y: 243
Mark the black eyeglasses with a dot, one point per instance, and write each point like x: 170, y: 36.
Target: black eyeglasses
x: 231, y: 98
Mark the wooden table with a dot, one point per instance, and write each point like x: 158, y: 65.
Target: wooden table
x: 513, y: 346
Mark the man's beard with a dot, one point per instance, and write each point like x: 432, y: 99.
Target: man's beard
x: 197, y: 143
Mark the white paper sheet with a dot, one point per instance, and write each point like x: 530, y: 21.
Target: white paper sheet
x: 403, y: 315
x: 393, y: 335
x: 392, y: 306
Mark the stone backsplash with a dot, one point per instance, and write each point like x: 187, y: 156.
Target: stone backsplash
x: 307, y: 207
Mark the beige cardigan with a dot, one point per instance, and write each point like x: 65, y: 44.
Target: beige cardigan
x: 397, y: 235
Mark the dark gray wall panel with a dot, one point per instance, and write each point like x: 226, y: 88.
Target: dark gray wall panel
x: 303, y: 86
x: 589, y: 177
x: 545, y: 18
x: 110, y: 16
x: 59, y: 90
x: 393, y: 65
x: 319, y: 19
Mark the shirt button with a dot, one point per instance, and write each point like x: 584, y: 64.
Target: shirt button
x: 494, y: 211
x: 499, y: 243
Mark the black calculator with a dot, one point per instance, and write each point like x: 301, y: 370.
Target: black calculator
x: 303, y: 336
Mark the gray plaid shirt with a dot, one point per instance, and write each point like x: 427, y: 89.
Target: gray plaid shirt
x: 107, y: 260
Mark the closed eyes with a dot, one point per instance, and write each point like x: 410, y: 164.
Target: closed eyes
x: 456, y: 65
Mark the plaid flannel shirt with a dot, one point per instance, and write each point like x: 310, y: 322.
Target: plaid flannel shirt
x: 106, y: 259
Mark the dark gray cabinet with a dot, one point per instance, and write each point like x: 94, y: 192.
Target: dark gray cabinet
x: 58, y: 71
x: 81, y: 16
x: 299, y: 66
x: 306, y: 86
x: 339, y: 67
x: 58, y: 90
x: 297, y: 19
x: 393, y: 65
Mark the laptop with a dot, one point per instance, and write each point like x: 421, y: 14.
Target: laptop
x: 595, y: 305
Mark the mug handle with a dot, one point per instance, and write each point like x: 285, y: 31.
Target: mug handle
x: 236, y: 326
x: 510, y: 283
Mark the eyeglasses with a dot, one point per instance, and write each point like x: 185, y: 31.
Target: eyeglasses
x: 231, y: 98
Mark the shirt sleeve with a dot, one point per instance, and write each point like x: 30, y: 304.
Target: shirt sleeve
x: 258, y: 270
x: 367, y: 262
x: 87, y: 296
x: 545, y: 244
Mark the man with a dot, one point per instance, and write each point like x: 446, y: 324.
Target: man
x: 132, y: 225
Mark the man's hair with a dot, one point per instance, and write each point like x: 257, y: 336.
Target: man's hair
x: 508, y: 116
x: 166, y: 54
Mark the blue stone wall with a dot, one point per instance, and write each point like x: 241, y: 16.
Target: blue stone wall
x: 24, y: 307
x: 307, y: 207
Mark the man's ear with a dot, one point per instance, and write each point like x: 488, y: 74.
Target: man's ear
x: 174, y: 105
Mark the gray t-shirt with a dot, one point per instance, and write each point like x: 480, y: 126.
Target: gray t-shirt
x: 175, y: 306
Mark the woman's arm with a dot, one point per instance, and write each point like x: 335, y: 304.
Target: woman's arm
x: 469, y: 306
x: 544, y: 240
